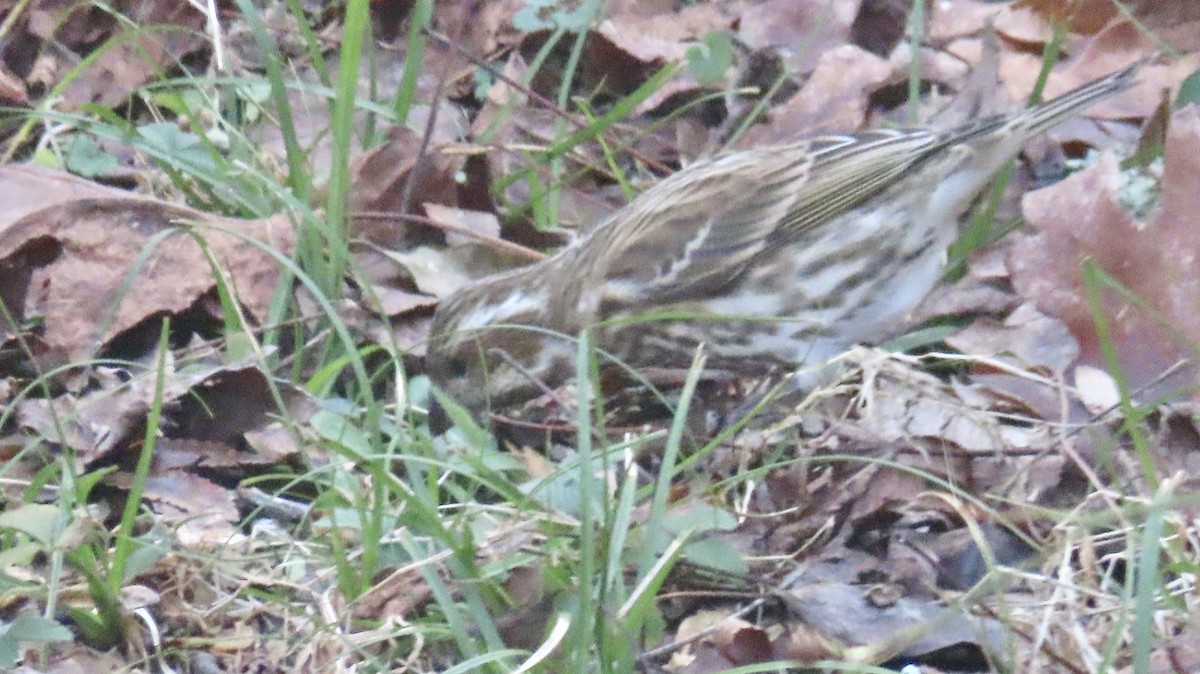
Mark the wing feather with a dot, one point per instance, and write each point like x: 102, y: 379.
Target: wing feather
x: 687, y: 239
x: 697, y: 231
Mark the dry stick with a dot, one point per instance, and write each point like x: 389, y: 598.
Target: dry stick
x: 545, y: 388
x: 534, y: 379
x: 1024, y: 634
x: 550, y: 393
x: 1065, y: 435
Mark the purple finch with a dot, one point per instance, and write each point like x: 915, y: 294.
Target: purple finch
x: 777, y: 257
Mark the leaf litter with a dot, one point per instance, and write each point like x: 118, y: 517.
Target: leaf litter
x: 918, y: 512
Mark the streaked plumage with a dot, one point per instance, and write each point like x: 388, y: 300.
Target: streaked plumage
x: 832, y: 240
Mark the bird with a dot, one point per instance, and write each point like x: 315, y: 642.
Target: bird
x: 774, y: 259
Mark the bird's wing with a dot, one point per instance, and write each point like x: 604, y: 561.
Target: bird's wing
x: 691, y: 235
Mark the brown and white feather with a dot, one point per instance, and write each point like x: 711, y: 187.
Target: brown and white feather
x: 785, y: 256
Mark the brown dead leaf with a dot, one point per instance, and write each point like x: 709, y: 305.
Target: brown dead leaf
x: 1055, y: 10
x: 1177, y: 24
x: 1082, y: 218
x: 953, y: 19
x: 664, y: 38
x: 397, y: 595
x: 394, y: 301
x: 514, y: 132
x: 1083, y: 16
x: 637, y: 40
x: 609, y: 69
x: 106, y: 52
x: 435, y: 271
x: 460, y: 224
x: 715, y: 630
x: 100, y: 421
x: 488, y: 26
x: 748, y: 646
x: 69, y: 261
x: 804, y: 643
x: 1179, y: 220
x: 225, y: 402
x: 833, y: 100
x: 1034, y: 339
x: 1118, y: 45
x: 1171, y: 22
x: 411, y: 335
x: 885, y: 488
x: 74, y: 23
x: 173, y: 454
x: 393, y: 171
x: 1023, y: 25
x: 241, y: 41
x: 273, y: 443
x: 207, y: 411
x: 205, y: 404
x: 159, y: 33
x: 805, y: 28
x: 310, y: 115
x: 26, y: 188
x: 200, y: 513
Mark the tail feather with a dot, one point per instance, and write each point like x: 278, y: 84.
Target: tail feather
x: 1048, y: 113
x: 1044, y: 115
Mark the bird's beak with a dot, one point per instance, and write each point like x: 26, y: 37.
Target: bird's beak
x: 439, y: 421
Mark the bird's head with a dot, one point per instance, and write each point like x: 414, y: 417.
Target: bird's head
x: 488, y: 349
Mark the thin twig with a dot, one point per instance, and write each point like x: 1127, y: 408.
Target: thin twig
x: 493, y: 242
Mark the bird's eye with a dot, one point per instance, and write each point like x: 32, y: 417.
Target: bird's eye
x: 458, y: 366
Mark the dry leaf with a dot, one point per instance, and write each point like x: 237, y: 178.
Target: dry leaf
x: 70, y: 261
